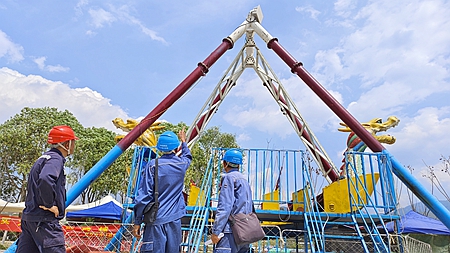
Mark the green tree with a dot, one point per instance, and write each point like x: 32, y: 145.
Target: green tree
x: 23, y: 138
x: 209, y: 139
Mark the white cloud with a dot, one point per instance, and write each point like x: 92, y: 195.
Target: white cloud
x: 90, y: 33
x: 400, y: 44
x: 88, y: 106
x: 243, y: 137
x: 383, y: 102
x: 100, y: 17
x: 313, y: 13
x: 124, y: 14
x: 79, y: 7
x: 344, y: 7
x: 423, y: 138
x: 398, y: 57
x: 40, y: 62
x: 50, y: 68
x: 327, y: 64
x: 256, y: 108
x: 13, y: 52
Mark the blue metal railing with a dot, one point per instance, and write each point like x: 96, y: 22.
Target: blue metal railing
x: 142, y: 155
x: 201, y: 212
x: 362, y: 204
x: 284, y: 184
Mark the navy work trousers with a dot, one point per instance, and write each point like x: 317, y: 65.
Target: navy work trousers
x: 164, y: 238
x: 228, y: 245
x: 41, y: 237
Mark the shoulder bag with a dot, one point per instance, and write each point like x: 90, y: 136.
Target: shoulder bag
x: 246, y: 228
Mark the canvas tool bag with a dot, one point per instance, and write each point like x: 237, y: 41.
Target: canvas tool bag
x: 246, y: 228
x: 151, y: 209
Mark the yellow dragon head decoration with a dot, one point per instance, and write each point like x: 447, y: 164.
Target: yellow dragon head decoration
x: 148, y: 137
x: 375, y: 126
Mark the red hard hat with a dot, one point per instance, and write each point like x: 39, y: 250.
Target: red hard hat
x: 60, y: 134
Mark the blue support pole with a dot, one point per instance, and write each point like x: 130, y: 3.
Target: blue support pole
x: 93, y: 174
x: 12, y: 248
x: 421, y: 192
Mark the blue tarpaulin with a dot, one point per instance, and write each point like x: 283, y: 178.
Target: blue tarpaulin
x: 413, y: 222
x: 109, y: 210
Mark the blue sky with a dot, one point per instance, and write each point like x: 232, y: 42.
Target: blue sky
x: 108, y: 59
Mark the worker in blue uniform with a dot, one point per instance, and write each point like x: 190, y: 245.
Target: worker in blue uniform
x: 46, y: 196
x: 235, y: 197
x: 164, y: 234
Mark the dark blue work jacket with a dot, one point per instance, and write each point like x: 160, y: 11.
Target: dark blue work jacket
x: 235, y: 197
x: 171, y: 172
x: 46, y: 187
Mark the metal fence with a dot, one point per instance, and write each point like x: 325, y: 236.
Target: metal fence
x: 407, y: 244
x: 83, y: 237
x: 116, y: 237
x: 80, y: 236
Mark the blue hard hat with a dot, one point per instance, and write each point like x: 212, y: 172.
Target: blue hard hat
x: 167, y: 141
x: 233, y: 155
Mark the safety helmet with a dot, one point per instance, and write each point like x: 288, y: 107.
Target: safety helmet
x: 233, y: 155
x: 167, y: 141
x: 60, y: 134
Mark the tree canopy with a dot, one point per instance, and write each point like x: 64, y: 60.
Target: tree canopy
x: 23, y: 138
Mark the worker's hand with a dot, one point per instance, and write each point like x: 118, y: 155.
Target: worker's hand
x: 53, y: 209
x: 215, y: 238
x: 137, y: 231
x: 182, y: 135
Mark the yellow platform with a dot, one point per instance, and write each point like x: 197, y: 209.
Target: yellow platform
x: 336, y: 195
x: 299, y: 202
x: 195, y: 194
x: 271, y: 201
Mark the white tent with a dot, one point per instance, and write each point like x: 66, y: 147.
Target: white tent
x: 102, y: 201
x: 8, y: 207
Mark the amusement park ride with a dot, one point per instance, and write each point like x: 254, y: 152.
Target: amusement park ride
x: 298, y: 216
